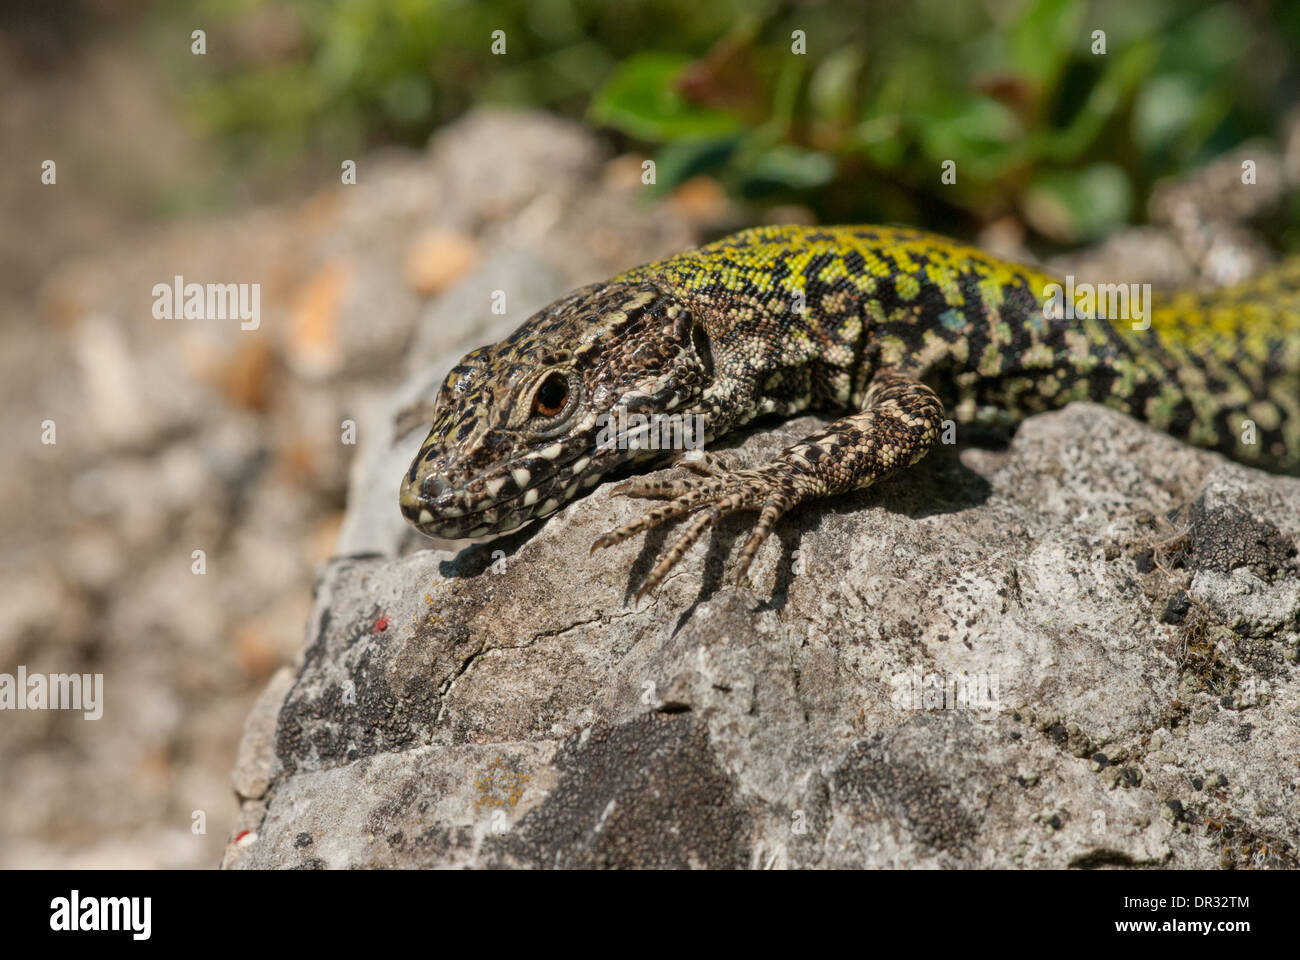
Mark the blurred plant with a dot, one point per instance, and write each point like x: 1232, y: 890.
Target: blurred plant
x: 1034, y: 121
x: 1013, y: 92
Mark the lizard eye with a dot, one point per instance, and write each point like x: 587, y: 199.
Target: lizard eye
x: 551, y: 396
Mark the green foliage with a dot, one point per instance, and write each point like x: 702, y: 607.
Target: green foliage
x: 642, y: 100
x: 1038, y: 124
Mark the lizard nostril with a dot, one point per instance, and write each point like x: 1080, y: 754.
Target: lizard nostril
x: 432, y: 487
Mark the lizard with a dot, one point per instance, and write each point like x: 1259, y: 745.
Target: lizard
x: 888, y: 329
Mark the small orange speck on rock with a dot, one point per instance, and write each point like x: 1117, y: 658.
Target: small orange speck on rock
x: 700, y: 199
x: 244, y: 377
x: 255, y: 650
x: 624, y: 172
x: 313, y: 346
x: 437, y: 259
x: 320, y: 542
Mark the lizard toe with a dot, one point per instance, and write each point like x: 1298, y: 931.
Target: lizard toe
x: 772, y: 511
x: 749, y: 490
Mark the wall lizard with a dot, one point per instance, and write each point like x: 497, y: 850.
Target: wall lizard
x: 887, y: 327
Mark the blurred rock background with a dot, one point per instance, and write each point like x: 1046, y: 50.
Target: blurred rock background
x: 175, y: 436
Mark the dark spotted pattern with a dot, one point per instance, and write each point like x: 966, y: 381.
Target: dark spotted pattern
x: 889, y: 326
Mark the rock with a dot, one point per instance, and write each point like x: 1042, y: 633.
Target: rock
x: 1207, y: 212
x: 700, y: 199
x: 1150, y: 253
x: 180, y: 440
x: 889, y: 695
x: 312, y: 345
x: 256, y: 762
x: 437, y: 259
x: 532, y: 153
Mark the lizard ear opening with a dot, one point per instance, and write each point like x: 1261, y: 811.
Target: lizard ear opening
x: 703, y: 349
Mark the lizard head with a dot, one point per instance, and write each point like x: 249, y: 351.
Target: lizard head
x: 524, y: 426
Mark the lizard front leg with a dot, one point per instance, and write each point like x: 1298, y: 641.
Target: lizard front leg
x: 898, y: 423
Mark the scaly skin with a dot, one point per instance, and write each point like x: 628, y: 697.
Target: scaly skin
x: 889, y: 327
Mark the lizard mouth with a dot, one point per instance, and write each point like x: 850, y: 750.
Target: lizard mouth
x: 454, y: 524
x: 438, y: 509
x: 483, y: 524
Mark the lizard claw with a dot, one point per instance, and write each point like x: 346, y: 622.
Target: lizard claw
x: 706, y: 500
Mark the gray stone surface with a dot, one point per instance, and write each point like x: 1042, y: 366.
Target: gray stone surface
x: 176, y: 436
x: 1123, y: 610
x: 1078, y: 650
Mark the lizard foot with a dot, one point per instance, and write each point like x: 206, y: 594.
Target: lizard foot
x: 700, y: 462
x: 709, y: 497
x: 898, y: 423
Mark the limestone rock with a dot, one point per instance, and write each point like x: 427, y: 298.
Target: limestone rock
x: 966, y: 666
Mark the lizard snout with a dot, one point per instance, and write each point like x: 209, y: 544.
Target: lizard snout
x: 419, y: 498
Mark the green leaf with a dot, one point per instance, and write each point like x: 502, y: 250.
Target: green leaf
x: 1125, y: 72
x: 784, y: 167
x: 979, y: 133
x: 1165, y: 108
x: 677, y: 162
x: 1041, y: 39
x: 833, y: 85
x: 641, y: 99
x: 1075, y: 205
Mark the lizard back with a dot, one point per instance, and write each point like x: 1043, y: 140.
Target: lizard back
x: 824, y: 307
